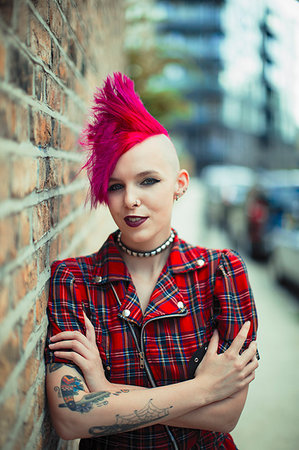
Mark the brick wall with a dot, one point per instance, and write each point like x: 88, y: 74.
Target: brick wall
x: 52, y: 55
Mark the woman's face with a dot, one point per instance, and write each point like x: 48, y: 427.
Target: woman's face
x: 141, y: 192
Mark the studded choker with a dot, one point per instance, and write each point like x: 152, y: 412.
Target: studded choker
x: 154, y: 252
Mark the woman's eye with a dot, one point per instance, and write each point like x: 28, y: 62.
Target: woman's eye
x: 149, y: 181
x: 115, y: 187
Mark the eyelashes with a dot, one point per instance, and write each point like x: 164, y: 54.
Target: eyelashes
x: 115, y: 187
x: 150, y: 181
x: 146, y: 182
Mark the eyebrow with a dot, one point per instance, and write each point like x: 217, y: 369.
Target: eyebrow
x: 139, y: 175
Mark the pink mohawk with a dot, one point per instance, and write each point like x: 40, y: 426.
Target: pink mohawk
x: 119, y: 121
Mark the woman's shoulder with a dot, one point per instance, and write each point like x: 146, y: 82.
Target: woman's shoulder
x: 218, y: 256
x: 79, y: 268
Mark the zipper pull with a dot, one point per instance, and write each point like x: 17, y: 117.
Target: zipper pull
x: 141, y: 356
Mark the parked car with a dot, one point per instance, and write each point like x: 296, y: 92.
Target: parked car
x: 284, y: 257
x: 265, y: 207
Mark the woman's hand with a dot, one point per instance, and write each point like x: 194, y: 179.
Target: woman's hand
x: 83, y: 352
x: 229, y: 372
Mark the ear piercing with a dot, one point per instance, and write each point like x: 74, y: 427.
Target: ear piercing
x: 177, y: 196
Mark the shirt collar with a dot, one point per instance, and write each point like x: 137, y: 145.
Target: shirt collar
x: 110, y: 265
x: 184, y: 257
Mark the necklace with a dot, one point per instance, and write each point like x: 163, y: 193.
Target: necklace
x: 154, y: 252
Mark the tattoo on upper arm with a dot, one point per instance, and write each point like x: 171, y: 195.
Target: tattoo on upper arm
x: 149, y: 413
x: 70, y: 387
x: 52, y: 367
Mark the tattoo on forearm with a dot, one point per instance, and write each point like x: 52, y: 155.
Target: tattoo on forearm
x: 149, y: 413
x: 70, y: 387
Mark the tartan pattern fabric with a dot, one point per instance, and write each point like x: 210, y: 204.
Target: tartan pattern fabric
x: 198, y: 289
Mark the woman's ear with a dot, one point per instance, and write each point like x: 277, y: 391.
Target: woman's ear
x: 182, y: 183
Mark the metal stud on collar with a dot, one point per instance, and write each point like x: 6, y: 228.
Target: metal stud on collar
x: 154, y: 252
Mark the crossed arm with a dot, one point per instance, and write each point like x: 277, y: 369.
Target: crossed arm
x: 84, y: 404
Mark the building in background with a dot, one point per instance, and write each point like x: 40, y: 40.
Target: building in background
x: 239, y: 73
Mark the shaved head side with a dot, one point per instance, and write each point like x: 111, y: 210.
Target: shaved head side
x: 167, y: 151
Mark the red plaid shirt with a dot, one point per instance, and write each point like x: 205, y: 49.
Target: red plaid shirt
x: 198, y: 289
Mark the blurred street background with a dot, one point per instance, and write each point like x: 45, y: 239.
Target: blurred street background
x: 270, y: 418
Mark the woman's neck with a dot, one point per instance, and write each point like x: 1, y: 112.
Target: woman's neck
x: 146, y: 267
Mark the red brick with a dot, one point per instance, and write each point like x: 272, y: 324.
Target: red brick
x: 68, y: 139
x: 80, y: 89
x: 4, y: 300
x: 24, y: 176
x: 40, y: 81
x: 41, y: 220
x: 22, y: 123
x: 27, y: 328
x: 9, y: 357
x: 42, y: 8
x: 41, y: 129
x: 55, y: 58
x: 55, y: 141
x: 8, y: 238
x: 54, y: 211
x: 67, y: 235
x: 24, y: 230
x: 71, y: 170
x: 26, y: 428
x: 80, y: 33
x: 28, y: 376
x: 55, y: 20
x: 63, y: 71
x: 63, y: 103
x: 25, y: 279
x: 5, y: 176
x: 42, y: 255
x: 22, y: 28
x: 53, y: 95
x: 20, y: 69
x: 55, y: 248
x: 8, y: 418
x: 49, y: 173
x: 79, y: 198
x: 71, y: 14
x: 74, y: 112
x: 40, y: 396
x: 41, y: 306
x: 7, y: 117
x: 65, y: 206
x: 40, y: 41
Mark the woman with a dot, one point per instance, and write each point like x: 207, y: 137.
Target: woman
x: 129, y: 325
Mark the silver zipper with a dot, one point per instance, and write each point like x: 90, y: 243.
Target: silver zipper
x: 142, y: 343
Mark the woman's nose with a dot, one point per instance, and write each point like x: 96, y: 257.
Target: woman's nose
x: 131, y: 198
